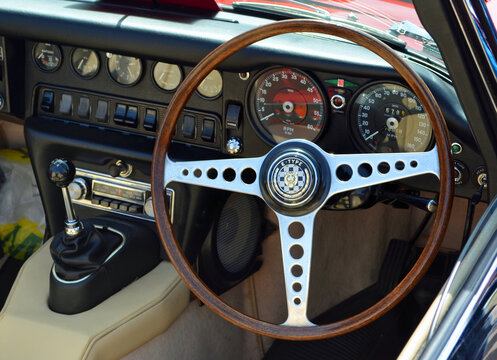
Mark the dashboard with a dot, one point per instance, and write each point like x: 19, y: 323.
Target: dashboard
x: 97, y: 79
x: 280, y: 103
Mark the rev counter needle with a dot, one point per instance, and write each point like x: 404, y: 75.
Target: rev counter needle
x: 266, y: 117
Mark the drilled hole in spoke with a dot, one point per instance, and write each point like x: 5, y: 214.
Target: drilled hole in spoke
x: 212, y: 173
x: 296, y: 252
x: 229, y: 174
x: 297, y: 270
x: 197, y: 173
x: 296, y: 230
x: 297, y: 287
x: 365, y: 170
x: 383, y: 167
x: 185, y: 172
x: 399, y: 165
x: 414, y: 164
x: 297, y: 301
x: 249, y: 176
x: 344, y: 172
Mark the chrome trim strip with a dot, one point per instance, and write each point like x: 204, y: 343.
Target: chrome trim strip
x: 100, y: 176
x: 475, y: 272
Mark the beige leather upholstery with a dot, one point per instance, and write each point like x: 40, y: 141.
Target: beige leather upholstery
x: 122, y: 323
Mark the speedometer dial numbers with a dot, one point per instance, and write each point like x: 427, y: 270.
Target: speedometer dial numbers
x: 287, y: 104
x: 388, y: 117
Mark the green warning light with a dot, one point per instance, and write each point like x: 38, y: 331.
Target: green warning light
x: 456, y: 148
x: 341, y: 83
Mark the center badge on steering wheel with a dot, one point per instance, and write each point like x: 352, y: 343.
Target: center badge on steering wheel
x: 292, y: 179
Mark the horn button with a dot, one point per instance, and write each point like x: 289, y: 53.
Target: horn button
x: 292, y: 179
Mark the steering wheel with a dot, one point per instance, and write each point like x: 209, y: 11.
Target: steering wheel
x: 295, y: 179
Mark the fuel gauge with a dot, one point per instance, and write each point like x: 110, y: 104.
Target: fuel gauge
x: 47, y: 57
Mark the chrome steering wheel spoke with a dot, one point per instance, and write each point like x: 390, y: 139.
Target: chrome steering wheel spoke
x: 296, y: 235
x: 238, y: 175
x: 356, y: 171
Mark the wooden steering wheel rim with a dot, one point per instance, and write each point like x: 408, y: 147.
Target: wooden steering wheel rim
x: 172, y: 246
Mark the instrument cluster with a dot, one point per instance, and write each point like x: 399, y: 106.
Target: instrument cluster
x: 281, y: 102
x: 287, y: 103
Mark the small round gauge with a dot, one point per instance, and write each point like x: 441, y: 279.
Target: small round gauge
x: 212, y: 85
x: 125, y: 70
x: 48, y: 57
x: 388, y: 117
x: 85, y: 62
x: 287, y: 104
x: 167, y: 76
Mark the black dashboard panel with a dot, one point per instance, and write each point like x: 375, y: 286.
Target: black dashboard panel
x: 184, y: 39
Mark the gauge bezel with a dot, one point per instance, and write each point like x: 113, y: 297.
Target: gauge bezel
x: 251, y: 111
x: 212, y: 97
x: 155, y: 82
x: 76, y: 71
x: 38, y: 65
x: 353, y: 130
x: 142, y: 70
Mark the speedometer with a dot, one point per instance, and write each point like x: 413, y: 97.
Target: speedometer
x: 388, y: 117
x: 287, y: 104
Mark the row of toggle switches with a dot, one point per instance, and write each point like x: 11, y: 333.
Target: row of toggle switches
x: 105, y: 111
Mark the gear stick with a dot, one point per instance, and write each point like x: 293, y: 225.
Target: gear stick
x: 94, y: 258
x: 61, y: 173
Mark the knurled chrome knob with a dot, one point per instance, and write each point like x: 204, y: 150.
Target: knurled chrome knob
x: 78, y: 189
x: 234, y: 146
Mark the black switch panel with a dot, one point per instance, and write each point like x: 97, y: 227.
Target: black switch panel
x: 208, y: 130
x: 47, y: 102
x: 131, y: 116
x: 188, y: 128
x: 150, y: 122
x: 120, y: 113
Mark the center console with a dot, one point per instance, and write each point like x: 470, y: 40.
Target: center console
x: 107, y: 285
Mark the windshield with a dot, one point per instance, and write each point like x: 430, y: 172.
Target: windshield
x: 394, y: 17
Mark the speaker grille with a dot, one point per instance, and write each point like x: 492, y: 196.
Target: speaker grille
x: 238, y: 232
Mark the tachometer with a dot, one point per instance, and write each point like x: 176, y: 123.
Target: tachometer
x: 287, y: 104
x: 388, y: 117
